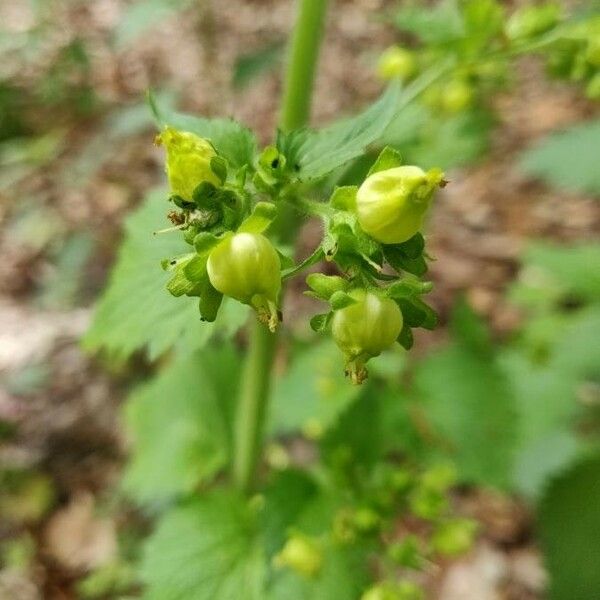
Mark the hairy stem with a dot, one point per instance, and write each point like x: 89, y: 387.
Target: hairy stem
x: 252, y: 405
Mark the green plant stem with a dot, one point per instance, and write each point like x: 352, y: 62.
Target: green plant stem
x: 256, y: 378
x: 302, y: 63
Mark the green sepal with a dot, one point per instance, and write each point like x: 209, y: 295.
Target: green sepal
x: 417, y: 314
x: 204, y: 242
x: 388, y: 158
x: 272, y: 161
x: 210, y: 302
x: 170, y: 264
x: 320, y: 322
x: 400, y: 261
x: 195, y: 269
x: 324, y: 286
x: 261, y: 218
x: 340, y: 300
x: 287, y: 263
x: 180, y: 284
x: 205, y: 196
x: 218, y: 165
x: 240, y: 176
x: 406, y: 339
x: 181, y: 203
x: 407, y: 287
x: 344, y: 198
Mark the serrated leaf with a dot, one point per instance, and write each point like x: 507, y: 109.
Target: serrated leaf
x: 314, y: 390
x: 204, y: 550
x: 313, y: 154
x: 232, y: 140
x: 568, y: 159
x: 179, y: 426
x: 569, y: 525
x: 389, y: 158
x: 135, y: 311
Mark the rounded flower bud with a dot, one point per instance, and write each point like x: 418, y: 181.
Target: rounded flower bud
x: 246, y: 266
x: 364, y: 329
x: 456, y: 96
x: 188, y: 161
x: 396, y: 62
x: 301, y: 554
x: 391, y: 204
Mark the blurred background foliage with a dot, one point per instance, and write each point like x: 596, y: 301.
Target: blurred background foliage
x: 95, y: 446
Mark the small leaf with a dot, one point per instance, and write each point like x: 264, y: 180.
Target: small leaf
x: 341, y: 300
x: 417, y: 314
x: 344, y: 198
x: 210, y: 302
x: 262, y: 216
x: 400, y: 261
x: 324, y: 286
x: 218, y: 166
x: 406, y: 339
x: 388, y: 158
x: 319, y: 322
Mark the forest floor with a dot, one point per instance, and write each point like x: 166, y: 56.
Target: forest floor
x: 60, y: 226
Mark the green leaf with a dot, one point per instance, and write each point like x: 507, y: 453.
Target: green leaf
x: 344, y: 197
x: 471, y: 406
x: 313, y: 154
x: 286, y: 496
x: 313, y: 391
x: 262, y: 216
x: 179, y: 425
x: 136, y: 311
x: 569, y: 525
x: 232, y: 140
x: 389, y: 158
x: 249, y: 67
x: 436, y: 24
x: 568, y: 159
x: 319, y: 322
x: 204, y: 550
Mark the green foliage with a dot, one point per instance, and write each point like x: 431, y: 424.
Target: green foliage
x: 567, y: 160
x: 469, y: 402
x: 313, y: 392
x: 569, y: 524
x: 314, y: 154
x: 134, y: 312
x: 205, y: 549
x: 180, y: 425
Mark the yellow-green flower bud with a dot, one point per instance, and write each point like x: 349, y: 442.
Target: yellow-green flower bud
x: 364, y: 329
x: 396, y: 62
x: 302, y: 554
x: 391, y: 204
x: 456, y: 96
x: 188, y: 161
x: 246, y: 266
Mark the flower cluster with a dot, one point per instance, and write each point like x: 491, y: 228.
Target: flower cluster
x: 371, y: 232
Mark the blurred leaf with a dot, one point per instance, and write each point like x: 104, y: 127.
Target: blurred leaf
x: 179, y: 423
x: 251, y: 66
x: 569, y: 524
x: 342, y: 577
x: 314, y: 390
x: 207, y: 549
x: 432, y: 24
x: 142, y: 15
x: 136, y: 311
x: 552, y: 273
x: 233, y: 141
x: 286, y: 496
x: 542, y: 459
x: 568, y: 159
x: 469, y: 402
